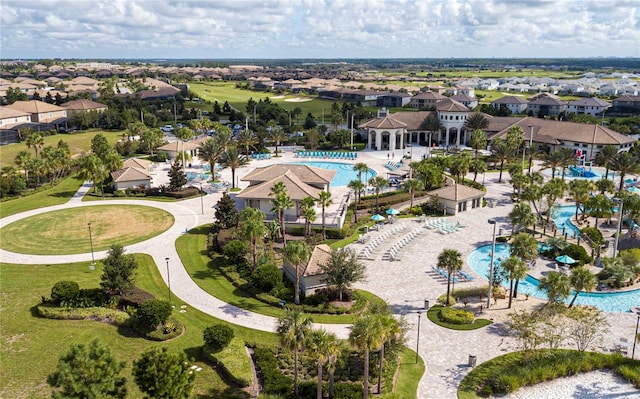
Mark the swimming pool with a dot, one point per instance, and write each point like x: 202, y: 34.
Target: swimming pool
x: 345, y: 172
x: 562, y: 218
x: 480, y: 258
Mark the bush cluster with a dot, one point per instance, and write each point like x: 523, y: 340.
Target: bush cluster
x: 443, y: 299
x: 267, y: 277
x: 170, y: 329
x: 64, y: 291
x: 111, y: 316
x: 135, y: 297
x: 275, y: 382
x: 594, y: 235
x: 233, y: 360
x: 341, y: 390
x: 217, y: 337
x: 578, y: 253
x: 184, y: 193
x: 455, y: 316
x: 151, y: 314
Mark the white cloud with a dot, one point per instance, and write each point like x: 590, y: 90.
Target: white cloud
x: 318, y: 28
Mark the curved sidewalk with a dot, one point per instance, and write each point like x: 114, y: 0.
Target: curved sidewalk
x: 182, y: 286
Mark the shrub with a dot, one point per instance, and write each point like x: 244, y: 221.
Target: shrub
x: 473, y: 291
x: 274, y: 381
x: 217, y: 337
x: 152, y: 313
x: 578, y: 253
x: 594, y: 235
x: 443, y: 299
x: 455, y: 316
x: 135, y: 297
x: 233, y: 360
x: 64, y: 291
x: 235, y: 251
x: 110, y: 316
x: 267, y: 277
x: 170, y: 329
x: 316, y: 299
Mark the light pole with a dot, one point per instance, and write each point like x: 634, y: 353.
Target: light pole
x: 530, y: 147
x: 615, y: 244
x: 418, y: 339
x: 635, y: 337
x: 351, y: 147
x: 93, y: 261
x: 168, y: 279
x: 493, y: 254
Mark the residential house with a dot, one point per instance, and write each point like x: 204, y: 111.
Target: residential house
x: 467, y: 101
x: 546, y: 104
x: 134, y: 174
x: 627, y: 104
x: 396, y: 100
x: 588, y: 106
x: 426, y: 100
x: 515, y: 104
x: 311, y: 275
x: 10, y: 117
x: 42, y: 112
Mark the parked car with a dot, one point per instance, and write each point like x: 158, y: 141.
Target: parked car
x: 167, y: 128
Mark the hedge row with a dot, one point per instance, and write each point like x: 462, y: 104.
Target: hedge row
x: 107, y: 315
x: 233, y: 360
x: 455, y: 316
x: 341, y: 390
x: 275, y: 382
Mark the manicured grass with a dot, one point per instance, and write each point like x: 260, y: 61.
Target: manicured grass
x: 78, y: 142
x: 97, y: 197
x: 511, y: 371
x: 59, y: 194
x: 66, y: 231
x: 193, y: 254
x: 31, y: 345
x: 409, y: 376
x: 432, y: 314
x: 237, y: 98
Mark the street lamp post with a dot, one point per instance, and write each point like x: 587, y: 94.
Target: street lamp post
x: 168, y: 279
x: 530, y: 147
x: 615, y: 244
x: 418, y: 338
x: 493, y: 254
x: 635, y: 337
x: 93, y: 261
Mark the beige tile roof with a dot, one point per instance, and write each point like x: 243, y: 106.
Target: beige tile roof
x: 129, y: 174
x: 35, y: 106
x: 6, y: 112
x: 320, y: 256
x: 141, y: 164
x: 84, y: 80
x: 429, y: 95
x: 457, y: 192
x: 388, y: 122
x: 82, y: 105
x: 307, y: 174
x: 509, y: 100
x: 413, y: 120
x: 449, y: 105
x: 296, y: 188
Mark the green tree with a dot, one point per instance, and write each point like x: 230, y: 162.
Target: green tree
x: 280, y: 203
x: 118, y: 276
x: 308, y: 210
x: 36, y: 141
x: 22, y: 161
x: 624, y: 163
x: 233, y: 160
x: 580, y: 191
x: 581, y: 279
x: 151, y: 314
x: 501, y: 153
x: 151, y: 139
x: 478, y: 140
x: 525, y: 247
x: 605, y: 186
x: 392, y: 330
x: 366, y: 334
x: 277, y: 136
x: 553, y: 160
x: 298, y: 254
x: 476, y: 121
x: 521, y: 216
x: 341, y: 137
x: 324, y: 200
x: 477, y: 166
x: 516, y: 269
x: 362, y: 169
x: 100, y: 147
x: 553, y: 190
x: 557, y: 287
x: 183, y: 134
x: 177, y: 178
x: 226, y: 213
x: 321, y: 345
x: 411, y: 185
x: 293, y: 328
x: 162, y: 374
x: 88, y: 372
x: 246, y: 139
x: 451, y: 260
x: 357, y: 186
x: 90, y: 167
x: 459, y: 166
x: 252, y: 228
x: 378, y: 183
x: 343, y: 269
x: 604, y: 157
x: 210, y: 151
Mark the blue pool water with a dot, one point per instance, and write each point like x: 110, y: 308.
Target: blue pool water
x: 562, y: 217
x: 480, y: 258
x: 591, y: 173
x: 345, y: 172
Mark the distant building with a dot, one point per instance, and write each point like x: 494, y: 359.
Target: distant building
x: 588, y: 106
x: 515, y: 104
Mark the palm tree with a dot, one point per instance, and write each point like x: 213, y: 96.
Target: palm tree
x: 210, y: 151
x: 280, y: 202
x: 91, y: 168
x: 412, y: 185
x: 332, y: 352
x: 604, y: 157
x: 321, y: 345
x: 297, y: 253
x: 532, y: 192
x: 557, y: 286
x: 378, y: 182
x: 568, y: 159
x: 553, y: 160
x: 580, y: 190
x: 294, y: 328
x: 501, y: 153
x: 477, y: 166
x: 36, y: 141
x: 553, y: 190
x: 478, y: 139
x: 516, y: 269
x: 273, y: 231
x: 277, y: 135
x: 357, y: 186
x: 22, y: 161
x: 459, y: 166
x: 362, y: 169
x: 514, y: 138
x: 624, y: 163
x: 451, y: 260
x: 600, y: 205
x: 432, y: 125
x: 246, y: 139
x: 308, y: 210
x: 252, y: 228
x: 521, y: 216
x: 183, y: 133
x: 391, y: 329
x: 525, y: 247
x: 324, y: 200
x: 605, y: 186
x: 366, y: 334
x: 232, y: 159
x: 582, y: 279
x: 476, y: 121
x: 223, y: 136
x: 555, y: 245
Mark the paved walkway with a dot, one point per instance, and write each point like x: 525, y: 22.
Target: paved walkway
x: 403, y: 284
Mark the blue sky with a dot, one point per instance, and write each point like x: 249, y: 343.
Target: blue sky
x: 318, y: 28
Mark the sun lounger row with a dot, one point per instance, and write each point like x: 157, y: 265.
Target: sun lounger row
x: 260, y: 157
x: 223, y: 184
x: 444, y: 274
x: 327, y: 154
x: 392, y: 165
x: 392, y: 253
x: 370, y: 248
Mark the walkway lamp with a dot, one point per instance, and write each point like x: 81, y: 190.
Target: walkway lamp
x: 168, y: 279
x: 635, y: 337
x: 493, y: 255
x: 615, y: 244
x: 93, y: 261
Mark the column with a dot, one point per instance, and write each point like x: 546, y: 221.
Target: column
x: 378, y: 140
x: 392, y: 140
x: 369, y: 139
x: 458, y: 137
x: 402, y: 139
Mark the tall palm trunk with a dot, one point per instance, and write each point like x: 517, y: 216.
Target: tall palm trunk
x: 319, y: 390
x: 296, y: 290
x: 380, y: 369
x: 510, y: 292
x: 331, y: 382
x: 295, y: 372
x: 365, y: 383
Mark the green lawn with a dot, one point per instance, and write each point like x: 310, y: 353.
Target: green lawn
x: 110, y: 224
x: 56, y: 195
x: 409, y: 376
x: 192, y: 252
x: 31, y: 345
x: 78, y: 142
x: 225, y: 91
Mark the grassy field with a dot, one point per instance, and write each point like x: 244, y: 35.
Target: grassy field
x: 56, y: 195
x: 78, y: 142
x: 122, y: 224
x: 31, y: 345
x: 225, y: 91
